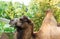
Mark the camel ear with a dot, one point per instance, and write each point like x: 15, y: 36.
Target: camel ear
x: 25, y: 19
x: 28, y: 21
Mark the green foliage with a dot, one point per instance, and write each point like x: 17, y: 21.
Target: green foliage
x: 6, y: 28
x: 39, y: 7
x: 35, y: 11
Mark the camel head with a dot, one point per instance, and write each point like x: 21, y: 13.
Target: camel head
x: 21, y: 23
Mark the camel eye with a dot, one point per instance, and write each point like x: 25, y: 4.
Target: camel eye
x: 21, y: 20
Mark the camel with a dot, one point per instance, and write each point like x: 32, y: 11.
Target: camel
x: 49, y: 28
x: 24, y: 28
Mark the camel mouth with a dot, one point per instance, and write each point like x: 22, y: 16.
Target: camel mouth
x: 13, y: 22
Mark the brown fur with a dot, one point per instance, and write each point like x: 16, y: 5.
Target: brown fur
x: 24, y: 28
x: 49, y: 29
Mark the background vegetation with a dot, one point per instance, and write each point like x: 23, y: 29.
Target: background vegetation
x: 35, y: 11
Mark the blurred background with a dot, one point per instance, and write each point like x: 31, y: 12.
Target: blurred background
x: 34, y: 9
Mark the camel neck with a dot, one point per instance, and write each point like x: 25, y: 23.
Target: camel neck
x: 24, y: 34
